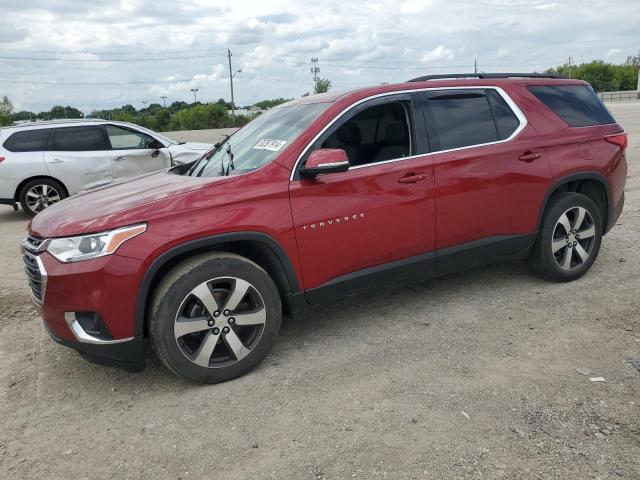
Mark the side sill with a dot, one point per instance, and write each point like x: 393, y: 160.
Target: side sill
x: 423, y: 267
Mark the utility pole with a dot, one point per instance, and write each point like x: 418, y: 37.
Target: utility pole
x: 195, y: 97
x: 315, y: 70
x: 233, y: 105
x: 164, y: 101
x: 569, y: 65
x: 475, y: 65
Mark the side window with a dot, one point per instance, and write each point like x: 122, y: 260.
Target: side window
x: 78, y: 139
x: 506, y: 120
x: 375, y: 134
x: 577, y: 105
x: 124, y: 139
x: 460, y: 120
x: 28, y: 140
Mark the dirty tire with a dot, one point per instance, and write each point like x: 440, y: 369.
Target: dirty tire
x: 551, y: 259
x: 181, y: 296
x: 52, y: 192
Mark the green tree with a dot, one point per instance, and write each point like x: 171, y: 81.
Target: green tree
x: 322, y: 85
x: 603, y: 76
x: 6, y: 109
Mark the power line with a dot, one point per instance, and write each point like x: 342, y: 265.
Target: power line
x: 49, y: 59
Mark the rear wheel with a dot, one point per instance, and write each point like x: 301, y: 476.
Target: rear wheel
x: 39, y: 193
x: 215, y: 317
x: 569, y: 238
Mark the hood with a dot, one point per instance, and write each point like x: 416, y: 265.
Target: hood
x: 76, y: 214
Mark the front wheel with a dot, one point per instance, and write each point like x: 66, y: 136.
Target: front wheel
x: 569, y: 238
x: 215, y: 317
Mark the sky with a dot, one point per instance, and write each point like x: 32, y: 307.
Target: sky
x: 106, y: 53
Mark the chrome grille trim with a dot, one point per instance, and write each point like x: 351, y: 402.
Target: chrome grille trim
x: 34, y: 268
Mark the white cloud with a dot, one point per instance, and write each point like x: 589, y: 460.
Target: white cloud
x: 438, y: 53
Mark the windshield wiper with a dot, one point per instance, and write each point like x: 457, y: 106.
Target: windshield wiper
x: 230, y: 162
x: 216, y: 147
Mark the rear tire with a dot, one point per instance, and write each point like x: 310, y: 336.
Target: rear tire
x: 214, y: 317
x: 39, y: 193
x: 569, y: 238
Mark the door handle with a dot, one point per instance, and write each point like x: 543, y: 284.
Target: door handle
x: 56, y: 160
x: 119, y: 159
x: 412, y: 178
x: 529, y: 156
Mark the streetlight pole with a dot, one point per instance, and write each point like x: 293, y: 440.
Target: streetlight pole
x: 233, y: 106
x: 195, y: 98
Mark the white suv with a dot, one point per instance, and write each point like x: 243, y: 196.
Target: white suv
x: 44, y: 162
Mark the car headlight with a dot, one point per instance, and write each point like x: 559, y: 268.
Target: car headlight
x: 84, y: 247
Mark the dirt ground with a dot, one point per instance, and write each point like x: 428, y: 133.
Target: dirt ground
x: 470, y: 376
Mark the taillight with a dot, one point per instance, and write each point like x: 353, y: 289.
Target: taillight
x: 619, y: 139
x: 1, y: 159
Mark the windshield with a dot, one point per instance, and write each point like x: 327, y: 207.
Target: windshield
x: 258, y: 142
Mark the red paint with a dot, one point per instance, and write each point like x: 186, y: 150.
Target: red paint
x: 337, y: 223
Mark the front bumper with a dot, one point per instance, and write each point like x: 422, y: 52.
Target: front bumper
x: 103, y: 290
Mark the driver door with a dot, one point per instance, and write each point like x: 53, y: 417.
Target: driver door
x: 375, y: 222
x: 132, y: 153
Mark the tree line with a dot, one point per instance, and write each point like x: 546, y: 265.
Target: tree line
x: 603, y: 76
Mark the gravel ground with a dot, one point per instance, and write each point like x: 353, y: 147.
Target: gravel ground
x: 470, y: 376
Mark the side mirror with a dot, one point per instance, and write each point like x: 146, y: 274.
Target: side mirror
x: 155, y: 144
x: 325, y: 160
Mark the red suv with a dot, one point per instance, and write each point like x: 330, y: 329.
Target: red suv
x: 326, y: 196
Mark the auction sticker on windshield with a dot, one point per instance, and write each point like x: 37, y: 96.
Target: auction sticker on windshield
x: 269, y: 144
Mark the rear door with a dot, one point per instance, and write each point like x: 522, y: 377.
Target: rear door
x: 132, y: 152
x: 491, y: 174
x: 79, y: 157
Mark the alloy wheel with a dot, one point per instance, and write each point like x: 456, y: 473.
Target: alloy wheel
x: 573, y: 238
x: 220, y: 322
x: 41, y: 196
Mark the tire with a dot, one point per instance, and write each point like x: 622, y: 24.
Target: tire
x: 39, y: 193
x: 196, y: 336
x: 559, y: 254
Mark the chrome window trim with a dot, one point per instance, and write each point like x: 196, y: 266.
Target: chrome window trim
x: 512, y: 105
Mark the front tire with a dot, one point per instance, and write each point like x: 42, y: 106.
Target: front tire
x: 214, y: 317
x: 39, y: 193
x: 569, y: 238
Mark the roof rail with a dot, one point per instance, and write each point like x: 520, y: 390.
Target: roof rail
x: 485, y: 75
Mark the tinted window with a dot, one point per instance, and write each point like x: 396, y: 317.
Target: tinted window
x: 506, y: 120
x: 577, y: 105
x: 78, y: 139
x: 28, y: 140
x: 121, y: 138
x: 461, y: 120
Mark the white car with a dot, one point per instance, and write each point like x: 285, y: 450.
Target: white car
x: 42, y: 163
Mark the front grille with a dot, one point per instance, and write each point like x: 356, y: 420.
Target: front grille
x: 33, y: 267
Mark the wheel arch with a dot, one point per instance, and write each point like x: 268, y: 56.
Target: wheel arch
x: 592, y: 184
x: 256, y: 246
x: 16, y: 195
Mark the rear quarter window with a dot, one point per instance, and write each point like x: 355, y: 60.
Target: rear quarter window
x: 28, y: 140
x: 78, y: 139
x: 577, y: 105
